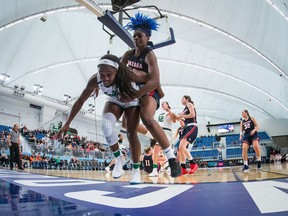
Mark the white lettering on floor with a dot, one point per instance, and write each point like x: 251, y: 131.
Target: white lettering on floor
x: 267, y: 196
x: 141, y: 201
x: 54, y: 183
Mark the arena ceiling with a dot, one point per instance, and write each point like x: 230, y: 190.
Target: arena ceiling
x: 228, y: 55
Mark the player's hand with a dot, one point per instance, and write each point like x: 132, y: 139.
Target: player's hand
x: 62, y: 131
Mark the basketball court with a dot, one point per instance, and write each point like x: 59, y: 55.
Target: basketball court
x: 210, y: 191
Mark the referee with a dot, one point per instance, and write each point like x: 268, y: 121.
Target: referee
x: 14, y: 147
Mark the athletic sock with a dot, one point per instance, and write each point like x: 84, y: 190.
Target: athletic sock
x: 117, y: 153
x: 169, y: 153
x: 136, y: 165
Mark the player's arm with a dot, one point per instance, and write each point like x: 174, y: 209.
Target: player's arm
x: 241, y: 130
x: 90, y: 87
x: 125, y: 57
x: 256, y: 126
x: 172, y: 115
x: 138, y: 75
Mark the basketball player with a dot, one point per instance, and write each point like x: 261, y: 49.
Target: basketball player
x: 165, y: 120
x: 143, y: 58
x: 250, y: 128
x: 147, y: 160
x: 113, y: 79
x: 189, y: 134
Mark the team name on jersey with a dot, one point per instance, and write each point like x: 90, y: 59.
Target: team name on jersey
x: 247, y: 124
x: 135, y: 64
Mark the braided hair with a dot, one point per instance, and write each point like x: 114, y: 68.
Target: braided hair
x: 123, y: 77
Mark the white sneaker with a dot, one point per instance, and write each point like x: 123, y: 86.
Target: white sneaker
x: 118, y: 168
x: 154, y: 180
x: 136, y: 177
x: 108, y: 169
x: 168, y: 171
x: 161, y: 170
x: 154, y: 173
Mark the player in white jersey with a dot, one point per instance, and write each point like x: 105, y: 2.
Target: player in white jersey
x: 115, y: 80
x: 165, y: 120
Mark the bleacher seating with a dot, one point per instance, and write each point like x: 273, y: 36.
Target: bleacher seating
x: 237, y: 153
x: 205, y: 154
x: 264, y: 136
x: 205, y: 141
x: 232, y: 139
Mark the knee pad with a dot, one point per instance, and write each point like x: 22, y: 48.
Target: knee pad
x: 107, y: 125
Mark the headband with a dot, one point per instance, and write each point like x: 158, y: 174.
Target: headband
x: 108, y: 62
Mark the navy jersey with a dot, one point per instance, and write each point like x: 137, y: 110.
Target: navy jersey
x: 189, y: 120
x: 148, y: 163
x: 138, y: 62
x: 248, y: 126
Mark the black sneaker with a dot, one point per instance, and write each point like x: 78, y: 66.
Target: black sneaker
x: 245, y: 168
x: 258, y: 164
x: 175, y: 167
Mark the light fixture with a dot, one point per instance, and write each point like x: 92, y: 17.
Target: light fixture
x: 19, y: 91
x: 43, y: 18
x: 37, y: 89
x: 67, y: 98
x: 4, y: 78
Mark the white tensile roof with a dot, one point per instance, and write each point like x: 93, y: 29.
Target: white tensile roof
x: 228, y: 55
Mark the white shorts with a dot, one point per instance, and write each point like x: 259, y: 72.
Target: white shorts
x: 133, y: 103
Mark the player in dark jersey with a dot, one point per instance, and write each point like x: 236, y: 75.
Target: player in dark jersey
x: 189, y: 135
x: 147, y: 160
x: 250, y: 127
x: 142, y: 58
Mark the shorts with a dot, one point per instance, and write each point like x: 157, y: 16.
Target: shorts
x: 133, y: 103
x: 249, y: 139
x: 190, y: 133
x: 156, y: 96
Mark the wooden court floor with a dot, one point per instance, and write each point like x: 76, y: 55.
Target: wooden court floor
x: 204, y: 175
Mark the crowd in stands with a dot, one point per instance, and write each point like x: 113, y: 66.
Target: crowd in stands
x: 65, y: 153
x: 44, y: 141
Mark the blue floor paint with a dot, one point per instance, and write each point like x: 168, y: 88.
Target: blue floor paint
x: 34, y: 194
